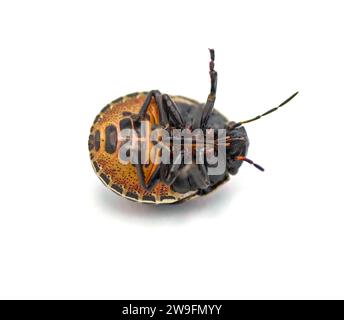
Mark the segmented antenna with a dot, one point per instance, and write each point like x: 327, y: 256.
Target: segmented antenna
x: 238, y: 124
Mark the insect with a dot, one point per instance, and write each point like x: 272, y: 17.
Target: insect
x: 156, y: 181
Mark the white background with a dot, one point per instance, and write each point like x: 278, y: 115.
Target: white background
x: 278, y: 234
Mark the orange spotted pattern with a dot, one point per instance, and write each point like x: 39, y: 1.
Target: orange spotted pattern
x: 122, y: 178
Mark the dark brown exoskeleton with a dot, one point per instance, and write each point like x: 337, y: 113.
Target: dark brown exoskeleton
x: 191, y: 115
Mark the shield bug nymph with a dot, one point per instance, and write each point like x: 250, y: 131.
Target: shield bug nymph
x: 175, y: 148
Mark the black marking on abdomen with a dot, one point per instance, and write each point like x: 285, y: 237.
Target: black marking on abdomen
x: 90, y: 142
x: 105, y: 178
x: 117, y: 100
x: 96, y: 119
x: 117, y: 188
x: 105, y: 108
x: 95, y: 164
x: 125, y: 124
x: 132, y: 95
x: 97, y: 140
x: 132, y: 195
x: 167, y: 198
x: 110, y: 139
x: 148, y: 198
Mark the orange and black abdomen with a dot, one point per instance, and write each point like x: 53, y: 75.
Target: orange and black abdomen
x: 104, y: 145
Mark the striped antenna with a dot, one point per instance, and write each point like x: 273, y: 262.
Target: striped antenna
x: 238, y: 124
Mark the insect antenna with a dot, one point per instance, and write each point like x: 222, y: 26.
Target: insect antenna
x: 242, y: 158
x: 238, y: 124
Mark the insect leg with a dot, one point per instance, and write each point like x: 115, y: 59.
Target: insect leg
x: 201, y: 177
x: 209, y: 105
x: 172, y: 111
x: 154, y: 179
x: 170, y: 173
x: 158, y: 98
x: 163, y: 120
x: 154, y: 93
